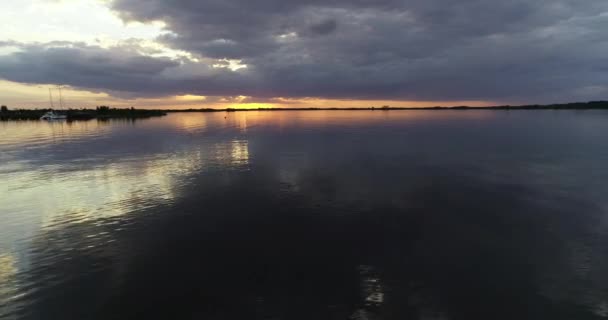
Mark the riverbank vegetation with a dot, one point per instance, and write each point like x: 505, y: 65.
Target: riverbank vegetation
x: 101, y: 112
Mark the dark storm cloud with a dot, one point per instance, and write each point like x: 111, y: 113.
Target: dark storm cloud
x: 122, y: 70
x: 82, y: 65
x: 516, y: 50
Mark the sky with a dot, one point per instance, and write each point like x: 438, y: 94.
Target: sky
x: 302, y: 53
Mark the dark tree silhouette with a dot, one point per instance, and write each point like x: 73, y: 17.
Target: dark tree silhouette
x: 103, y: 109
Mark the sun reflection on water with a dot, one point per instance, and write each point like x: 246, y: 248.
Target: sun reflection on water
x: 76, y: 186
x: 8, y: 269
x: 79, y: 180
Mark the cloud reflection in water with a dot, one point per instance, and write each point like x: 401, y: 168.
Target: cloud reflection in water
x: 361, y: 216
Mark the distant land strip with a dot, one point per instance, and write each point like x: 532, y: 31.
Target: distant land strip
x: 100, y: 113
x: 105, y: 112
x: 565, y: 106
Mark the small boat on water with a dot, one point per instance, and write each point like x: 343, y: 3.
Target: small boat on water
x: 53, y: 115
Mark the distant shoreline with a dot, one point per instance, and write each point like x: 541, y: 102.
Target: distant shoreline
x: 106, y: 113
x: 593, y: 105
x: 100, y: 113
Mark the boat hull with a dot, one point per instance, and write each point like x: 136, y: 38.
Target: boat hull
x: 51, y: 116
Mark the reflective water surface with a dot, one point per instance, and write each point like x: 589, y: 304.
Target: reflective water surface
x: 307, y: 215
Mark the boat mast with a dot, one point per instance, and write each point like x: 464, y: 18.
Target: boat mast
x: 51, y: 98
x: 60, y: 98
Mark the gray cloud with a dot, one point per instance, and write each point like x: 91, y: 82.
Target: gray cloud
x: 325, y: 27
x: 121, y: 70
x: 513, y: 51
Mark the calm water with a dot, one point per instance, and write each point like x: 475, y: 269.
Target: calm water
x: 307, y: 215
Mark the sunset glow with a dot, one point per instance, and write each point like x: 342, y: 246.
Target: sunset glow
x: 182, y: 55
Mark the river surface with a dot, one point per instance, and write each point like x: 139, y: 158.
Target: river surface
x: 307, y: 215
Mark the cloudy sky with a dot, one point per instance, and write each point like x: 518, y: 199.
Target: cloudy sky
x: 218, y: 53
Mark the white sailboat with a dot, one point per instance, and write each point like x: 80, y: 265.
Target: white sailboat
x: 52, y: 115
